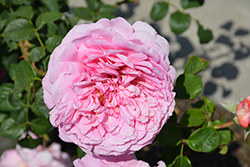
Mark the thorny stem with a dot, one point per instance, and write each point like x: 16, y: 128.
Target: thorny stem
x: 225, y: 125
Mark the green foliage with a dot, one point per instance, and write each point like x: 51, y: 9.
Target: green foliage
x: 191, y: 3
x: 47, y: 17
x: 182, y: 161
x: 80, y: 153
x: 204, y: 140
x: 18, y: 29
x: 193, y: 117
x: 159, y: 10
x: 179, y: 22
x: 10, y: 129
x: 195, y: 64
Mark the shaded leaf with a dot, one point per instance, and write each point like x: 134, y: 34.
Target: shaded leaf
x: 18, y: 29
x: 51, y: 4
x: 29, y: 142
x: 191, y: 3
x: 170, y: 153
x: 38, y: 107
x: 93, y: 4
x: 192, y: 117
x: 179, y: 22
x: 170, y: 134
x: 40, y: 126
x: 37, y: 54
x: 83, y: 13
x: 224, y: 150
x: 188, y: 86
x: 225, y: 134
x: 159, y: 10
x: 24, y: 11
x: 26, y: 74
x: 47, y: 17
x: 10, y: 129
x: 52, y: 42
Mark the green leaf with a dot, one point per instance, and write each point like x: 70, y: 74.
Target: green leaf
x: 193, y: 117
x: 18, y: 2
x: 205, y: 35
x: 159, y: 10
x: 3, y: 116
x: 6, y: 91
x: 29, y: 142
x: 224, y: 150
x: 104, y: 15
x: 26, y: 74
x: 170, y: 134
x: 229, y: 107
x: 225, y: 134
x: 80, y: 153
x: 10, y: 129
x: 19, y: 115
x: 5, y: 18
x: 188, y: 86
x: 40, y: 126
x: 209, y: 105
x: 170, y: 153
x: 191, y: 3
x: 7, y: 60
x: 12, y: 45
x: 182, y: 161
x: 204, y: 140
x: 18, y: 29
x: 52, y: 42
x: 47, y: 17
x: 107, y: 9
x: 93, y: 4
x: 179, y: 22
x: 52, y: 28
x: 51, y: 4
x: 12, y: 70
x: 83, y: 13
x: 38, y: 107
x: 25, y: 12
x: 195, y: 64
x: 37, y: 54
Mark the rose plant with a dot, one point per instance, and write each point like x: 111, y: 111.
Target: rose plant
x: 108, y: 86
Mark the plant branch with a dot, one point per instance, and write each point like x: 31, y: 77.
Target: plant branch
x: 225, y: 125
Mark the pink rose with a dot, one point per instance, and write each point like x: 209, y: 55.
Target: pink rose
x: 243, y: 112
x: 11, y: 158
x: 112, y: 161
x: 37, y: 157
x: 110, y: 86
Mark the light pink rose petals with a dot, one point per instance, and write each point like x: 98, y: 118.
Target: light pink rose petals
x: 112, y: 161
x: 110, y: 86
x: 37, y: 157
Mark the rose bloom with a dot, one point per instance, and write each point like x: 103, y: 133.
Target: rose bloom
x: 37, y: 157
x: 110, y: 86
x: 243, y: 112
x: 112, y: 161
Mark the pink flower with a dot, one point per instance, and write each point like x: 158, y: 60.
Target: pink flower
x: 243, y: 112
x: 110, y: 86
x: 112, y: 161
x: 38, y: 157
